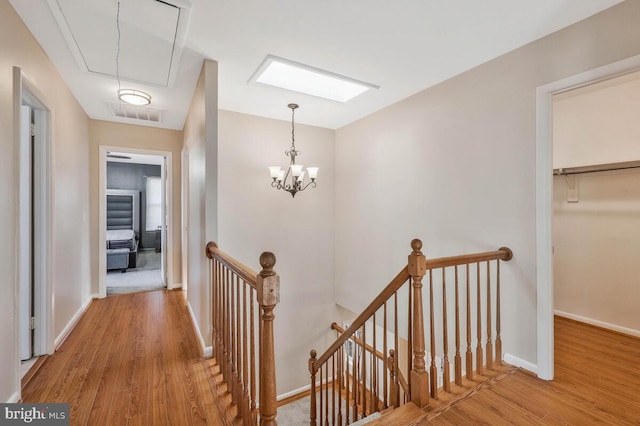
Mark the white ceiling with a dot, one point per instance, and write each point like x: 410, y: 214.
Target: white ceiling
x: 403, y: 46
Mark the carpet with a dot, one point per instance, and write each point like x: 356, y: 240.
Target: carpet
x: 146, y: 276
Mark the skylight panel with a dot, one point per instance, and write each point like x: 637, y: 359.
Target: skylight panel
x: 305, y: 79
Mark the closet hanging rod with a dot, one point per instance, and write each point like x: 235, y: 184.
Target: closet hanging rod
x: 597, y: 168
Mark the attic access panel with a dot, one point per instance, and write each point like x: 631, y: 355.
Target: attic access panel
x: 151, y: 37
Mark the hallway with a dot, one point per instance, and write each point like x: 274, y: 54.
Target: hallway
x: 132, y: 359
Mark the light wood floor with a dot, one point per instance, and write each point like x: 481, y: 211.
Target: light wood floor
x: 132, y: 359
x: 597, y: 381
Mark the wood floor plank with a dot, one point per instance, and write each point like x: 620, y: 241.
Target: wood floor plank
x: 131, y: 360
x: 597, y: 381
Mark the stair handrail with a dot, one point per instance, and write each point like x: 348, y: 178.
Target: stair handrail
x: 266, y: 284
x: 384, y: 295
x: 419, y: 385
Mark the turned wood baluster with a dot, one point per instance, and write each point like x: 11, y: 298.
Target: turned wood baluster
x: 446, y: 376
x: 212, y: 246
x: 321, y: 396
x: 333, y: 389
x: 489, y: 355
x: 373, y: 375
x: 433, y: 368
x: 469, y: 354
x: 409, y: 334
x: 346, y: 387
x: 479, y: 356
x: 394, y: 391
x: 363, y: 359
x: 312, y: 371
x: 457, y: 359
x: 232, y: 331
x: 268, y: 286
x: 225, y: 326
x: 326, y: 392
x: 340, y: 382
x: 355, y: 390
x: 239, y: 349
x: 395, y: 338
x: 498, y: 339
x: 252, y: 344
x: 385, y: 366
x: 417, y: 267
x: 220, y: 319
x: 245, y: 359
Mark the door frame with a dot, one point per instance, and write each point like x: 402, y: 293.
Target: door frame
x: 24, y: 90
x: 544, y: 199
x: 167, y: 243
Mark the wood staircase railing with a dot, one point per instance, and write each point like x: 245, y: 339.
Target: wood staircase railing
x: 357, y: 379
x: 242, y: 301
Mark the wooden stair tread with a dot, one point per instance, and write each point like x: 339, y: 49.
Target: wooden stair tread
x: 409, y: 414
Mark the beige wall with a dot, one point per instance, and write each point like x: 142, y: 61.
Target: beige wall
x: 596, y: 246
x: 71, y: 274
x: 597, y: 124
x: 455, y: 166
x: 200, y: 142
x: 139, y: 137
x: 254, y: 218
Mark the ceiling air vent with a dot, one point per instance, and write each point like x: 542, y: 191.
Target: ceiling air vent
x: 145, y: 113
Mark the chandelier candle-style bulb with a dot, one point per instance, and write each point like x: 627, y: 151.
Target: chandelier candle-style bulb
x: 313, y: 173
x: 296, y: 169
x: 291, y: 179
x: 275, y: 171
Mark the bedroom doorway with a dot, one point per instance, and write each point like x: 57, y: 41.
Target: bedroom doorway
x: 135, y: 220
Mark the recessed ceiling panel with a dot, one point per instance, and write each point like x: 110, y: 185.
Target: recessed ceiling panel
x: 148, y: 30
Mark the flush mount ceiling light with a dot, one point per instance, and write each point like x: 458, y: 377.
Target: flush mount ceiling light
x: 134, y: 97
x: 130, y: 96
x: 291, y: 179
x: 301, y: 78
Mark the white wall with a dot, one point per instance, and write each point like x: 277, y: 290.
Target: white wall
x: 454, y: 165
x: 253, y: 217
x: 200, y: 141
x: 596, y: 246
x: 71, y: 258
x: 597, y: 124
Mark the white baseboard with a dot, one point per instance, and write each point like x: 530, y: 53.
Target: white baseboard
x: 95, y: 296
x: 72, y: 323
x: 293, y: 392
x: 14, y: 398
x: 302, y: 389
x: 597, y: 323
x: 207, y: 351
x: 519, y: 362
x: 174, y: 286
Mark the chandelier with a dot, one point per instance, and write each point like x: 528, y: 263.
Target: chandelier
x: 292, y: 178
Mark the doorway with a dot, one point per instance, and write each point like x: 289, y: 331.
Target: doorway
x: 544, y: 201
x: 135, y: 220
x: 35, y: 186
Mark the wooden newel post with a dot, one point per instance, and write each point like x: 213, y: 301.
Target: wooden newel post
x: 417, y: 268
x: 268, y: 283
